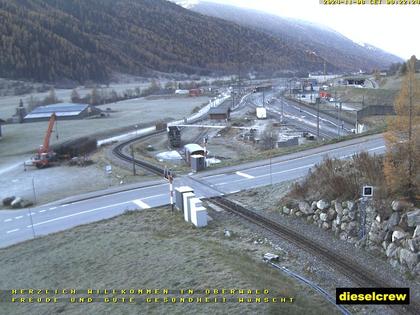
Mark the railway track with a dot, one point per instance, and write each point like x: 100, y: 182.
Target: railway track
x: 118, y: 151
x: 352, y: 270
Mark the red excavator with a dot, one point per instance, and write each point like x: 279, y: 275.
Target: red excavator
x: 45, y: 156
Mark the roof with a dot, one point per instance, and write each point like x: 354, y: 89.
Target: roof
x: 192, y: 147
x: 60, y: 109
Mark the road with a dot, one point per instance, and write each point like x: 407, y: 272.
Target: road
x: 16, y: 226
x: 302, y: 117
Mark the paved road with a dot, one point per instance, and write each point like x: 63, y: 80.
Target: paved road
x: 303, y: 118
x: 16, y: 226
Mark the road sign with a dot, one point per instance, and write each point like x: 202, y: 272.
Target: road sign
x: 367, y: 191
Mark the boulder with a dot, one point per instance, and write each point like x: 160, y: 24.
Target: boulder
x: 338, y: 208
x: 416, y: 231
x: 343, y: 226
x: 313, y: 205
x: 325, y: 225
x: 322, y: 204
x: 414, y: 244
x: 399, y: 205
x: 388, y: 236
x: 16, y: 203
x: 298, y: 213
x: 391, y: 250
x: 351, y: 205
x: 343, y: 236
x: 26, y: 203
x: 352, y: 215
x: 385, y: 245
x: 8, y: 201
x: 286, y: 210
x: 408, y: 258
x: 393, y: 221
x: 323, y: 217
x: 398, y: 234
x: 337, y: 220
x: 351, y: 228
x: 345, y: 218
x: 345, y: 211
x: 370, y: 210
x: 413, y: 218
x: 331, y: 214
x: 309, y: 219
x: 305, y: 208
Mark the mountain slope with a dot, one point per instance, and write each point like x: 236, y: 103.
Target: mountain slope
x: 47, y: 40
x: 81, y: 40
x: 338, y: 50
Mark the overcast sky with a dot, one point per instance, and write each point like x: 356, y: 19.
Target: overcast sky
x: 393, y: 28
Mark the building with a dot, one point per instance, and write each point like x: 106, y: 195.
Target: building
x: 195, y: 92
x: 192, y: 149
x: 221, y: 112
x: 174, y: 136
x: 64, y: 111
x: 324, y: 94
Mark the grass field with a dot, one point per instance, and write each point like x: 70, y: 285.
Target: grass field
x: 24, y: 138
x: 151, y: 249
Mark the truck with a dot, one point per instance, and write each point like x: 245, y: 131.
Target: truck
x: 261, y: 113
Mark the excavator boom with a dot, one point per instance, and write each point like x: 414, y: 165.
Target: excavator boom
x: 46, y: 145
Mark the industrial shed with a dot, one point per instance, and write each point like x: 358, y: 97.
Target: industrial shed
x: 219, y: 113
x: 192, y: 149
x: 64, y: 111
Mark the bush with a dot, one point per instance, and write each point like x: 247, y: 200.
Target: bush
x: 342, y: 179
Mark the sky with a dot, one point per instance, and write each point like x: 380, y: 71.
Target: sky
x: 393, y: 28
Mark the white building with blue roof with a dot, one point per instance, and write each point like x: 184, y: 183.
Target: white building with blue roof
x: 62, y: 110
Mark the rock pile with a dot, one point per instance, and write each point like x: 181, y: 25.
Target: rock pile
x: 397, y: 235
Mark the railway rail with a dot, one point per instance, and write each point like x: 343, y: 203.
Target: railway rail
x: 118, y: 151
x: 352, y: 270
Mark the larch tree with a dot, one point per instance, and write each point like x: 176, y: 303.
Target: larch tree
x: 402, y: 160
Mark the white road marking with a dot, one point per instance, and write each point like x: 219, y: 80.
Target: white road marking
x: 19, y: 217
x: 32, y: 213
x: 117, y: 193
x: 78, y: 213
x: 235, y: 191
x: 12, y: 231
x: 150, y: 197
x: 377, y: 148
x: 7, y: 220
x: 52, y: 208
x: 41, y: 211
x: 244, y: 175
x: 141, y: 204
x: 212, y: 176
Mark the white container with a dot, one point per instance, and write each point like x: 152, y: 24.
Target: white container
x: 187, y: 205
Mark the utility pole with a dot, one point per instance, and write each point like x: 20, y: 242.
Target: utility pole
x: 317, y: 118
x: 171, y: 189
x: 167, y: 174
x: 134, y: 162
x: 271, y: 147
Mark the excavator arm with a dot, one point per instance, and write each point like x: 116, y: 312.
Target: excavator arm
x: 46, y: 145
